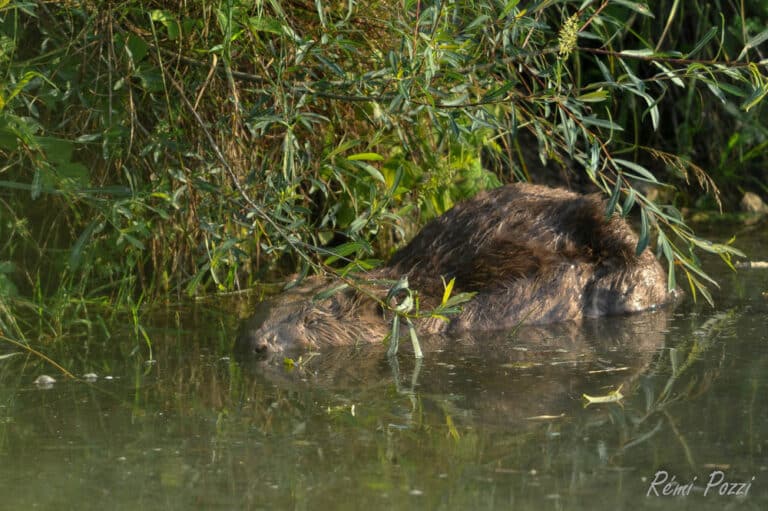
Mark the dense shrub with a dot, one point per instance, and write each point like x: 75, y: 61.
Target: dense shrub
x: 153, y: 148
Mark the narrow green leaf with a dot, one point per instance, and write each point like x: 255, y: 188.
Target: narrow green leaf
x: 704, y: 40
x: 671, y: 281
x: 448, y: 290
x: 638, y: 7
x: 500, y: 92
x: 37, y: 184
x: 458, y: 299
x: 456, y: 101
x: 480, y: 21
x: 365, y: 157
x: 197, y: 279
x: 394, y: 337
x: 653, y: 108
x: 131, y: 239
x: 319, y: 297
x: 696, y: 285
x: 602, y: 123
x: 607, y: 76
x: 371, y: 170
x: 611, y: 207
x: 594, y: 97
x: 669, y: 73
x: 715, y: 248
x: 647, y: 52
x: 752, y: 43
x: 715, y: 89
x: 75, y: 255
x: 666, y: 248
x: 644, y: 173
x: 84, y: 139
x: 642, y: 242
x: 417, y: 353
x: 346, y: 249
x: 757, y: 95
x: 508, y: 8
x: 25, y: 79
x: 629, y: 202
x: 690, y: 267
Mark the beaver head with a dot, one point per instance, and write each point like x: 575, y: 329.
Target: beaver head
x: 311, y: 317
x: 275, y: 327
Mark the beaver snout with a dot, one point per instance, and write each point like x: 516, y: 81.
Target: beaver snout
x: 262, y: 347
x: 257, y: 343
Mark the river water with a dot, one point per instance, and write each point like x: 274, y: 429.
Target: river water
x: 489, y: 422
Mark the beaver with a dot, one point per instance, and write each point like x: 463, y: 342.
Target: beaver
x: 530, y: 254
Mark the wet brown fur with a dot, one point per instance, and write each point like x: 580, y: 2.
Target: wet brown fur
x: 532, y: 254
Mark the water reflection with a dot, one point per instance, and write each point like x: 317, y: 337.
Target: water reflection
x: 511, y: 380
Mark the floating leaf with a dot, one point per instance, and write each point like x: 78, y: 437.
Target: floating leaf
x: 614, y: 396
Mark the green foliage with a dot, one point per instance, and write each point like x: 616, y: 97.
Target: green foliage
x: 403, y: 303
x: 152, y: 150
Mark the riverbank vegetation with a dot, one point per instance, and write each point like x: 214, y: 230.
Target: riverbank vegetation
x: 152, y: 151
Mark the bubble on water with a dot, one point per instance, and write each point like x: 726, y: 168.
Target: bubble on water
x: 44, y: 381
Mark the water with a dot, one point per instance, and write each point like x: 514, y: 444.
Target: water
x: 489, y: 423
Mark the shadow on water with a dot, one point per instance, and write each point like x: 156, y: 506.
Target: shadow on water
x: 484, y: 422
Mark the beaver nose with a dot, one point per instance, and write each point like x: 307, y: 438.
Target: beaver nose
x: 264, y: 344
x: 261, y: 347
